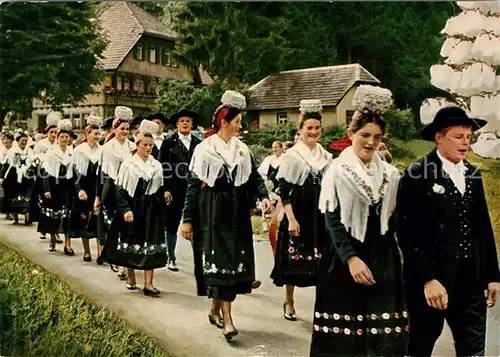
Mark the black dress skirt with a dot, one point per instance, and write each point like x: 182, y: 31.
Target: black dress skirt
x: 351, y: 319
x: 17, y: 195
x: 222, y: 234
x: 83, y: 221
x: 140, y: 244
x: 54, y: 216
x: 297, y: 259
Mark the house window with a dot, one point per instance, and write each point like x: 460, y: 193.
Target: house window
x: 348, y: 117
x: 139, y: 85
x: 165, y: 58
x: 153, y: 84
x: 152, y: 54
x: 77, y: 121
x: 119, y: 83
x: 126, y: 83
x: 138, y: 53
x: 282, y: 118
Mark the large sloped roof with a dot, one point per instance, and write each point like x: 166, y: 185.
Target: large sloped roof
x: 286, y: 89
x: 123, y: 24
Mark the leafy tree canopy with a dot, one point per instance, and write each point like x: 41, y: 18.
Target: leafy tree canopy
x: 52, y: 47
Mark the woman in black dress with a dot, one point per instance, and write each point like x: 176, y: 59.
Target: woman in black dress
x: 86, y: 159
x: 301, y: 233
x: 138, y: 241
x: 223, y: 181
x: 17, y: 177
x: 115, y: 150
x: 41, y: 148
x: 58, y: 188
x: 359, y: 309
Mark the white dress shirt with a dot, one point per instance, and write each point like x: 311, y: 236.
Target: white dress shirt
x: 455, y: 171
x: 186, y: 140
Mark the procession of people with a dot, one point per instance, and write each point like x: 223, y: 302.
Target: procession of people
x: 391, y: 255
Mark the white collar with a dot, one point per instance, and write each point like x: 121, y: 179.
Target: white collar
x: 182, y: 136
x: 135, y: 168
x: 449, y: 167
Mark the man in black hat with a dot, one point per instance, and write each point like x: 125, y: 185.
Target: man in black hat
x: 445, y: 233
x: 175, y: 156
x: 161, y: 120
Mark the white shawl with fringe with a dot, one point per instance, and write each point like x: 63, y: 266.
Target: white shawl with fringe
x: 348, y: 183
x: 113, y: 154
x: 55, y: 158
x: 213, y: 154
x: 14, y: 155
x: 299, y: 161
x: 83, y: 154
x: 135, y: 168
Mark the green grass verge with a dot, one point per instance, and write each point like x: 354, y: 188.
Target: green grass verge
x: 41, y: 316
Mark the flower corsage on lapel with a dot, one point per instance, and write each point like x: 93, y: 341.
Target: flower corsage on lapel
x: 438, y: 189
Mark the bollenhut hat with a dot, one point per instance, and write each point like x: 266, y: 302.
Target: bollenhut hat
x: 185, y: 113
x: 447, y: 117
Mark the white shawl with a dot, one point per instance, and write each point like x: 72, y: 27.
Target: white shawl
x: 269, y: 161
x: 353, y: 186
x: 83, y: 154
x: 113, y: 154
x: 213, y: 154
x: 55, y: 158
x: 135, y: 168
x: 14, y: 157
x: 299, y: 161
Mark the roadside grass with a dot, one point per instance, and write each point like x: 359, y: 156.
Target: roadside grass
x: 41, y: 316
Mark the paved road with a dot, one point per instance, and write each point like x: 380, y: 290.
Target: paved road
x: 178, y: 320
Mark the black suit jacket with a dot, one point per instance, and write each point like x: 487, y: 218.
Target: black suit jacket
x: 175, y: 159
x: 428, y: 226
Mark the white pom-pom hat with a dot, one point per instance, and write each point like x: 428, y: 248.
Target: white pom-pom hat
x: 234, y: 99
x: 53, y: 118
x: 64, y: 125
x: 146, y: 127
x: 371, y: 99
x: 124, y: 113
x: 310, y: 106
x: 94, y: 120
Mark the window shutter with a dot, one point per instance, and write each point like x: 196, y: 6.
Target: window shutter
x: 164, y: 56
x: 135, y: 53
x: 157, y: 54
x: 113, y: 80
x: 144, y: 52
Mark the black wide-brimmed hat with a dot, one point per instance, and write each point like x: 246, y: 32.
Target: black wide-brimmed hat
x: 136, y: 121
x: 185, y: 113
x: 108, y: 123
x: 160, y: 116
x: 450, y: 116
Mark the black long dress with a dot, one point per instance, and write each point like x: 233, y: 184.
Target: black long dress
x: 222, y: 233
x: 297, y: 259
x: 17, y: 197
x: 140, y: 244
x: 54, y: 216
x: 83, y: 221
x: 351, y: 319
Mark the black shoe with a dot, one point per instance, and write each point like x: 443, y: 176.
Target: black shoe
x: 43, y: 237
x: 87, y: 258
x: 151, y: 292
x: 70, y: 252
x: 230, y: 334
x: 100, y: 260
x: 59, y: 241
x: 52, y: 247
x: 219, y: 323
x: 289, y: 316
x: 132, y: 286
x: 256, y: 284
x: 172, y: 266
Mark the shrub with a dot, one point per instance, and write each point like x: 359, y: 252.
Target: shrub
x: 401, y: 124
x: 259, y: 152
x: 266, y: 137
x: 400, y: 149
